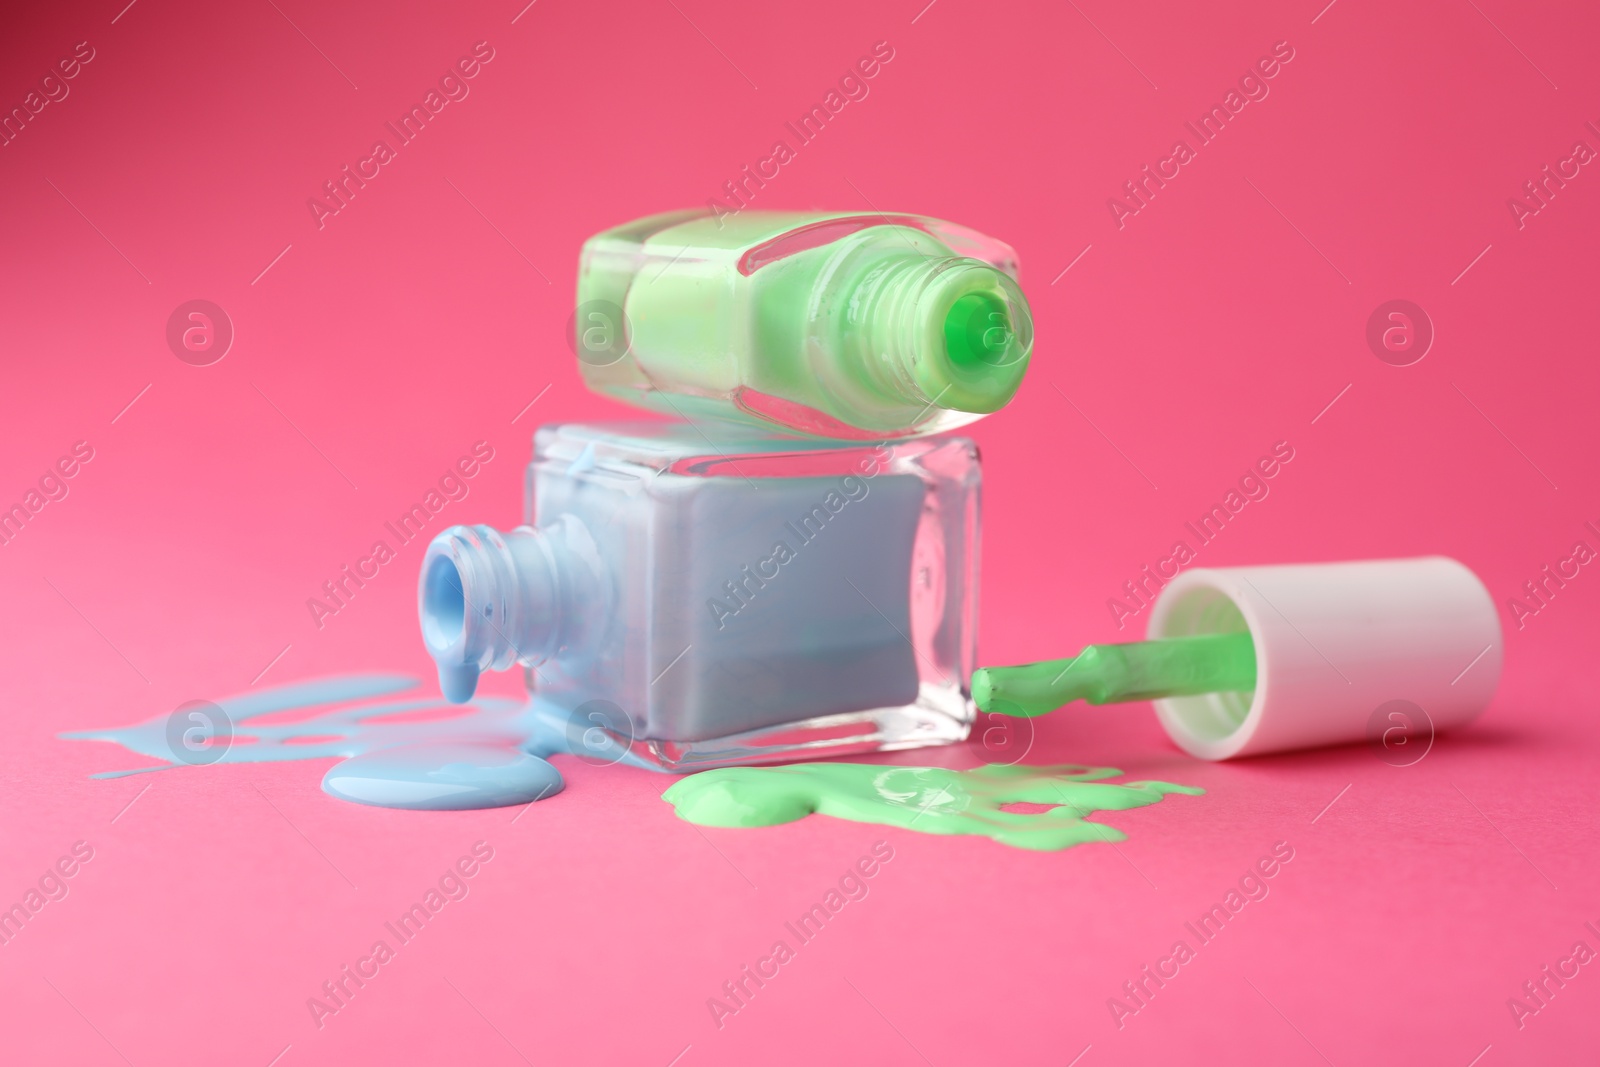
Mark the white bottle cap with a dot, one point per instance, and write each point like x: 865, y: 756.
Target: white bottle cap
x: 1337, y: 644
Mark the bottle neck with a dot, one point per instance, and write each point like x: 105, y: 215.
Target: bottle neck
x: 489, y: 599
x: 941, y: 333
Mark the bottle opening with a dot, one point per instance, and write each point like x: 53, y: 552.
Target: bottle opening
x: 444, y: 604
x: 977, y: 329
x: 966, y: 337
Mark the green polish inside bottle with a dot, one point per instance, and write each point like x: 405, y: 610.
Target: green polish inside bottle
x: 1114, y: 674
x: 976, y: 329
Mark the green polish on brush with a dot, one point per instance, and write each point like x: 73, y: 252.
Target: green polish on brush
x: 1112, y: 674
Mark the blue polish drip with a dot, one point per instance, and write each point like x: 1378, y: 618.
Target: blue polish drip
x: 441, y: 756
x: 458, y: 683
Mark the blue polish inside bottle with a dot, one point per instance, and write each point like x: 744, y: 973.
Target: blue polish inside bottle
x: 734, y: 597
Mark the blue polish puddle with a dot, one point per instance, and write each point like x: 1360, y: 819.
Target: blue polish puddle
x: 489, y: 752
x: 443, y: 777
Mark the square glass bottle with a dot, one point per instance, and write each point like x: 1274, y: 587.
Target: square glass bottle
x: 725, y: 597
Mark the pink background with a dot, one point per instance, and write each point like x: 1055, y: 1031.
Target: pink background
x: 1223, y: 317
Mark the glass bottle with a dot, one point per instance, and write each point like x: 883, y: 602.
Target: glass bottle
x: 724, y: 600
x: 847, y: 326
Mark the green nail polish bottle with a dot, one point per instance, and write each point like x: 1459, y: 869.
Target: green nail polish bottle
x: 826, y: 324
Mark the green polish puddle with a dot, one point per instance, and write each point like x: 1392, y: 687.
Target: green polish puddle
x: 929, y: 800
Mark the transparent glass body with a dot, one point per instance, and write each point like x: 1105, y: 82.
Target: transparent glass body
x: 733, y: 600
x: 846, y: 326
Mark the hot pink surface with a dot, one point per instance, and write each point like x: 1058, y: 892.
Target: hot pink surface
x: 1224, y: 316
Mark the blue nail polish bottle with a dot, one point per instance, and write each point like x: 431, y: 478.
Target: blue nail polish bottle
x: 725, y: 596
